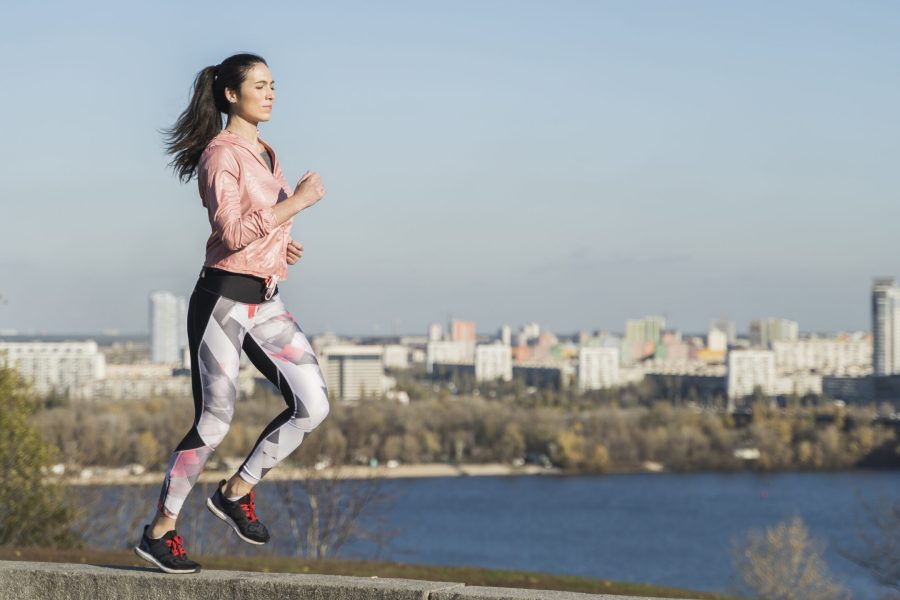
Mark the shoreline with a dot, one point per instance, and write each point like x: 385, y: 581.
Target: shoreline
x: 122, y: 476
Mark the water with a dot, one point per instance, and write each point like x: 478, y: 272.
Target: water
x: 668, y: 529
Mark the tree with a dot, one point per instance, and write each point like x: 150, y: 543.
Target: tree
x: 879, y: 548
x: 784, y: 563
x: 331, y: 511
x: 34, y: 511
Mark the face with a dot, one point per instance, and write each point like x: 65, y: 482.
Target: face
x: 256, y: 97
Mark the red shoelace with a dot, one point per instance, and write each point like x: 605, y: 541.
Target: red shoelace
x: 175, y: 544
x: 250, y: 508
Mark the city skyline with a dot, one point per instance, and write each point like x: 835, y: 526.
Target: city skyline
x: 578, y: 165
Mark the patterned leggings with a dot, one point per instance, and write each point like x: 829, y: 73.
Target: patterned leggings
x: 218, y: 328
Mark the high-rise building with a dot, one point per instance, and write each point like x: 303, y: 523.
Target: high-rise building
x: 598, y: 367
x: 717, y: 340
x: 493, y: 361
x: 765, y: 332
x: 435, y: 332
x: 749, y: 369
x: 727, y: 326
x: 353, y: 372
x: 642, y: 336
x: 168, y: 327
x: 462, y: 331
x: 527, y: 332
x: 648, y: 329
x: 506, y: 335
x: 885, y: 327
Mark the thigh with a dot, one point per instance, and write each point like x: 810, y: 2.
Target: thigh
x: 282, y: 352
x: 279, y: 336
x: 216, y: 359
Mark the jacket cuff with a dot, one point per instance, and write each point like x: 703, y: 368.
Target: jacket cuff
x: 268, y: 219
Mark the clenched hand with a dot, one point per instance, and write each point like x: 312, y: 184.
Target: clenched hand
x: 294, y: 252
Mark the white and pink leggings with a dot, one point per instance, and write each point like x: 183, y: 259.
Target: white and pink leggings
x: 218, y: 328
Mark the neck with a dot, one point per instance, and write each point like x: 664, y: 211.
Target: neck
x: 243, y: 128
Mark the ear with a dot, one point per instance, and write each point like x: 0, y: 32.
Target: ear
x: 231, y: 95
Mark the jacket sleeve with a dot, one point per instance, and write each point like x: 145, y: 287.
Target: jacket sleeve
x: 219, y: 188
x: 286, y: 193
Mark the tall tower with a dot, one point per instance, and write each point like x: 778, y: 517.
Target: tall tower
x: 168, y: 327
x: 885, y: 327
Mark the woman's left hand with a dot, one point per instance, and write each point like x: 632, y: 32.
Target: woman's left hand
x: 294, y: 252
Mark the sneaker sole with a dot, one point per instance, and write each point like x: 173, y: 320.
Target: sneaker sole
x: 214, y: 510
x: 149, y: 558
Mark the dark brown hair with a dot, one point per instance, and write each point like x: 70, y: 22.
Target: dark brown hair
x: 202, y: 119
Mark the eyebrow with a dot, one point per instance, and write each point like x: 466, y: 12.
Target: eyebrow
x: 264, y: 81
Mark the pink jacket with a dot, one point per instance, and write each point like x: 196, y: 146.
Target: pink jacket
x: 239, y: 191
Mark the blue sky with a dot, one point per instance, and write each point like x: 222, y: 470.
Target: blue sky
x: 571, y: 163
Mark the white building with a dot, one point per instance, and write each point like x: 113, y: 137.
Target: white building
x: 396, y: 356
x: 506, y: 335
x: 141, y: 381
x: 885, y: 327
x: 353, y: 371
x: 448, y: 352
x: 842, y: 355
x: 67, y: 367
x: 598, y: 368
x: 727, y: 326
x: 168, y: 327
x: 798, y: 383
x: 493, y: 361
x: 748, y: 369
x: 717, y: 340
x: 528, y: 332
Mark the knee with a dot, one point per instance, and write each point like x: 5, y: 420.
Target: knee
x: 318, y: 410
x: 214, y: 439
x: 213, y: 430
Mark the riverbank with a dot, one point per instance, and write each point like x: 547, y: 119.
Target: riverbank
x: 125, y: 475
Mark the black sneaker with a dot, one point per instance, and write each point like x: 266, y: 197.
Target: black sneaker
x: 167, y: 552
x: 240, y: 514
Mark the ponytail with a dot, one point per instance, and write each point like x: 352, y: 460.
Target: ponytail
x: 201, y: 121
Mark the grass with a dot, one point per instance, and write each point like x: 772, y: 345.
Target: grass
x: 473, y: 576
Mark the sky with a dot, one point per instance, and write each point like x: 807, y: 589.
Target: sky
x: 574, y: 164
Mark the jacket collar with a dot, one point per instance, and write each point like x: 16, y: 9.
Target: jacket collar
x: 236, y: 140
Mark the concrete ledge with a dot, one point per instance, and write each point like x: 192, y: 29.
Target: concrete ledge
x: 59, y: 581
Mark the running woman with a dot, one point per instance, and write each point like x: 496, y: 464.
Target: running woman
x: 236, y: 304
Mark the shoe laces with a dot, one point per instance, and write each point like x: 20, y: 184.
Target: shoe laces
x: 249, y: 507
x: 176, y: 545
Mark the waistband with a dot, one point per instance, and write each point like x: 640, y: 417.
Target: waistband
x: 240, y: 287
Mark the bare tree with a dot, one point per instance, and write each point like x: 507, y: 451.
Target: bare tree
x: 879, y: 548
x: 326, y: 511
x: 784, y: 563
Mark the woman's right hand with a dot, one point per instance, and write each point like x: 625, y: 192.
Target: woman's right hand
x: 309, y: 189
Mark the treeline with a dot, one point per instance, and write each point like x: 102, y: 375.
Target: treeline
x: 583, y: 436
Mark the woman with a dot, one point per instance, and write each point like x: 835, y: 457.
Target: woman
x: 235, y: 304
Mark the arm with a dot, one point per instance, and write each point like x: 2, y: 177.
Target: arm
x: 309, y: 190
x: 219, y: 185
